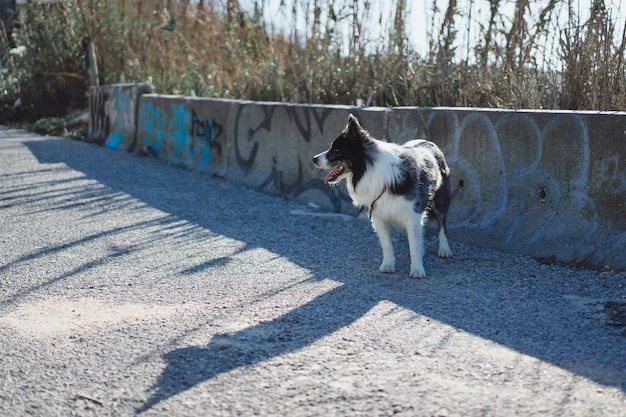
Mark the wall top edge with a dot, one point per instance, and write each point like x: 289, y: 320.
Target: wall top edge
x: 492, y: 110
x: 145, y: 85
x: 362, y: 108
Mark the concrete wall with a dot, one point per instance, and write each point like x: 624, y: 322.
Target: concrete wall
x: 540, y: 183
x: 535, y: 182
x: 113, y: 114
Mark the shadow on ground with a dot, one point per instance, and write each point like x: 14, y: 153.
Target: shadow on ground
x: 510, y: 306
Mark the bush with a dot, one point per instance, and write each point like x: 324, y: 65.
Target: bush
x: 48, y: 76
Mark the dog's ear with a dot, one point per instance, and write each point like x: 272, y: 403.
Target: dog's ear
x: 353, y: 122
x: 353, y: 130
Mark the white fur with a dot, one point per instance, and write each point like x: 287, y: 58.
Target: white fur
x: 389, y: 210
x: 444, y: 248
x: 397, y: 211
x: 378, y: 176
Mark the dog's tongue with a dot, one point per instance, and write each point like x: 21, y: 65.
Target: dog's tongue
x: 334, y: 173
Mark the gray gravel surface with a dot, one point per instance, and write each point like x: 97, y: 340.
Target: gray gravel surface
x: 131, y: 287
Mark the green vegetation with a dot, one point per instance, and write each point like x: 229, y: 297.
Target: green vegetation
x: 206, y: 48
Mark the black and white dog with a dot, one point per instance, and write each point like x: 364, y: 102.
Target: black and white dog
x: 401, y: 185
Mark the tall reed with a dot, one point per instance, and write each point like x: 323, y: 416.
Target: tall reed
x: 518, y: 55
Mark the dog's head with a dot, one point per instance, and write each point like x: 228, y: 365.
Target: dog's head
x: 346, y: 150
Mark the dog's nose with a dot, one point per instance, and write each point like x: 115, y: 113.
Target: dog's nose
x: 315, y: 160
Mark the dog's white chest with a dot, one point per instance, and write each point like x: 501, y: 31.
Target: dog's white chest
x: 395, y: 210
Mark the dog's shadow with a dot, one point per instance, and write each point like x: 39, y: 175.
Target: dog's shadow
x: 189, y: 366
x: 508, y: 308
x: 484, y: 307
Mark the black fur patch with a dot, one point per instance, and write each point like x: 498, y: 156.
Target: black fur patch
x: 353, y: 149
x: 409, y: 186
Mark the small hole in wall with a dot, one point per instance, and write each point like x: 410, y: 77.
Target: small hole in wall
x: 542, y: 195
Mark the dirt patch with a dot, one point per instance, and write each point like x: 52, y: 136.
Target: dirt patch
x: 60, y: 317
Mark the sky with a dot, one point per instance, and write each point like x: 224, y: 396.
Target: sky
x: 421, y: 18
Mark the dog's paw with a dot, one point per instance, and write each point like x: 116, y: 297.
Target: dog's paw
x: 445, y: 252
x: 387, y: 268
x: 417, y: 272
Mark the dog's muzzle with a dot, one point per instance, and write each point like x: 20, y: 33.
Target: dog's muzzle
x: 335, y: 172
x: 320, y: 161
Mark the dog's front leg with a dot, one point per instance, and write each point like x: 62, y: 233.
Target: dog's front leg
x: 415, y: 233
x: 384, y: 235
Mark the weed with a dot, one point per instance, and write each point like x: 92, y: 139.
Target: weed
x: 518, y: 58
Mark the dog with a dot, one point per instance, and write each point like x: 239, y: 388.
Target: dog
x: 400, y: 184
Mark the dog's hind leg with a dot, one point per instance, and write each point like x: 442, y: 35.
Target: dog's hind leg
x: 439, y: 207
x: 415, y: 233
x: 384, y: 235
x: 444, y: 247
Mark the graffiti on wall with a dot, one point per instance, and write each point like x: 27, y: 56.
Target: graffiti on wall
x: 113, y: 112
x: 99, y: 120
x: 525, y: 176
x: 122, y: 112
x: 254, y: 129
x: 182, y: 133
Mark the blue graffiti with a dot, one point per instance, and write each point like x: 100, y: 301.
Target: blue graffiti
x: 178, y: 132
x: 123, y: 103
x: 188, y: 134
x: 207, y: 132
x: 122, y: 118
x: 153, y: 122
x: 114, y: 140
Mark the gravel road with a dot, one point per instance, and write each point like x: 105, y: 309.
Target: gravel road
x: 132, y: 287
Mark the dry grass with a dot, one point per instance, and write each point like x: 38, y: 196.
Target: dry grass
x: 215, y: 49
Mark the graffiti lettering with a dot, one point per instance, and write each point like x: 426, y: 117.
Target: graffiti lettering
x: 153, y: 122
x: 99, y: 121
x: 207, y: 131
x: 188, y: 136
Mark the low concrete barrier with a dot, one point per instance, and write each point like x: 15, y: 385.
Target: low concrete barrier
x: 541, y: 183
x: 113, y: 114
